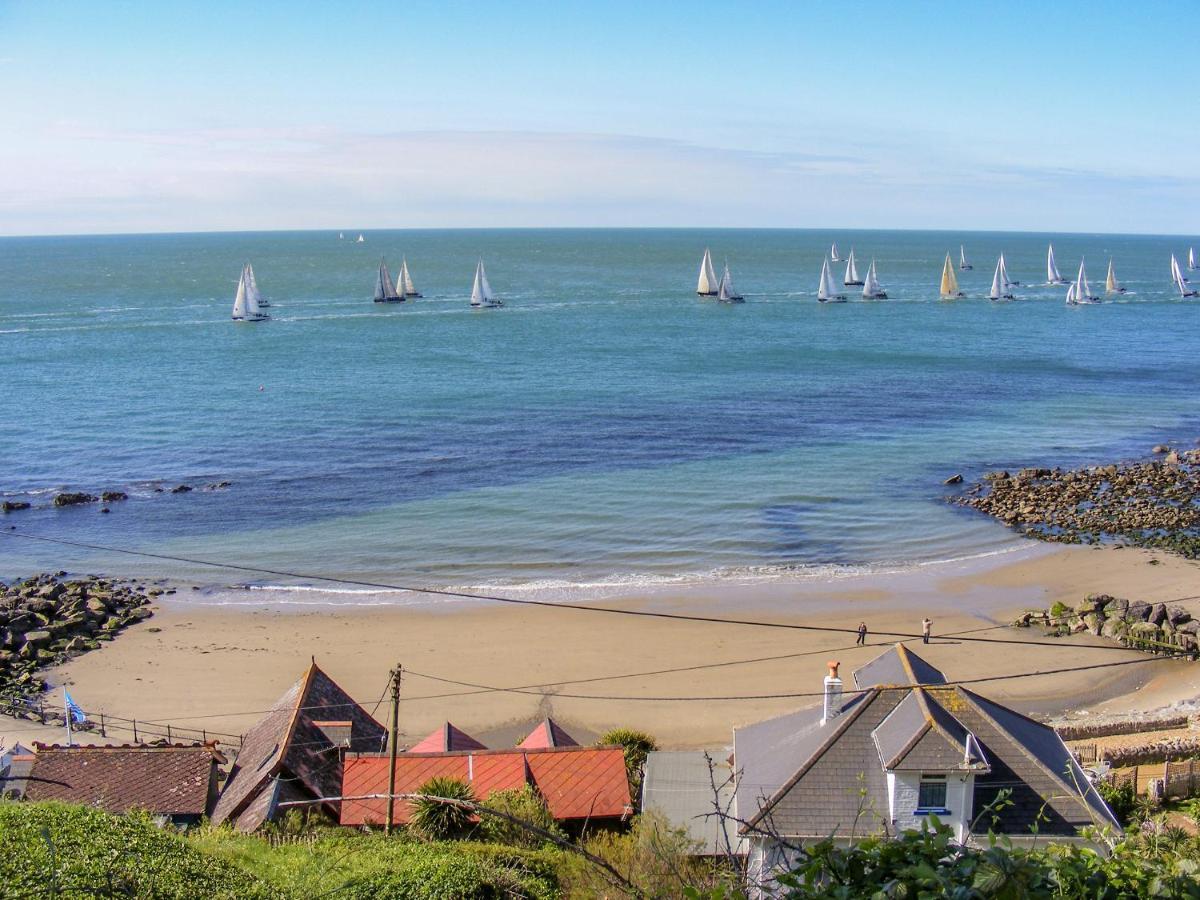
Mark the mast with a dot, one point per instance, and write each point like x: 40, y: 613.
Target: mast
x: 1052, y: 275
x: 949, y: 287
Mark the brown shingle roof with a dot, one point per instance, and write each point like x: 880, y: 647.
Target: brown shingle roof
x: 173, y: 780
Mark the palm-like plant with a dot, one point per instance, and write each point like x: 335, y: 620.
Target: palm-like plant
x: 439, y: 820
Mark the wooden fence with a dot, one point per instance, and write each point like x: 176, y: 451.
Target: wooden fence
x: 1181, y: 779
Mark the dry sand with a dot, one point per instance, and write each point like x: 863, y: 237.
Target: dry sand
x: 219, y: 667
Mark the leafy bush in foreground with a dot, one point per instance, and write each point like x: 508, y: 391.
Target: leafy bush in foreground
x: 55, y: 850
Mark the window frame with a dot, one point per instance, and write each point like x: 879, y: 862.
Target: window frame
x: 929, y: 782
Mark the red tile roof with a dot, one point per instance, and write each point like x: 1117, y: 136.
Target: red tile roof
x: 173, y: 780
x: 446, y: 739
x: 577, y: 782
x: 548, y: 734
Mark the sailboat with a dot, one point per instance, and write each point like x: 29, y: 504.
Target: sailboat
x: 245, y: 304
x: 481, y: 292
x: 1008, y: 282
x: 833, y: 253
x: 826, y: 292
x: 727, y: 293
x: 851, y: 279
x: 1192, y: 259
x: 1000, y: 289
x: 252, y: 287
x: 1081, y: 291
x: 949, y: 288
x: 1071, y: 294
x: 707, y: 284
x: 405, y: 282
x: 962, y: 259
x: 1111, y: 285
x: 1052, y: 275
x: 341, y: 236
x: 1180, y: 282
x: 385, y: 291
x: 360, y: 239
x: 872, y: 289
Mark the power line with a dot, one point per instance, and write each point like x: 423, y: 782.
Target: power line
x: 583, y: 607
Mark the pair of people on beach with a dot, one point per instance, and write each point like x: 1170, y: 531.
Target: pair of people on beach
x: 926, y: 630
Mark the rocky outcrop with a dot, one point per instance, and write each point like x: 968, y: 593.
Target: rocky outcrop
x: 73, y: 498
x: 1154, y: 503
x: 1139, y: 625
x: 48, y: 619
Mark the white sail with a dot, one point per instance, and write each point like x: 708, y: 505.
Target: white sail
x: 833, y: 253
x: 707, y: 284
x: 949, y: 286
x: 239, y: 300
x: 1071, y: 294
x: 406, y: 283
x: 1008, y: 282
x: 962, y: 258
x: 360, y: 239
x: 851, y: 270
x: 1083, y: 291
x: 1111, y: 285
x: 1177, y: 273
x: 727, y: 291
x: 1192, y: 258
x: 871, y: 288
x: 384, y: 289
x: 252, y: 287
x: 1052, y: 275
x: 822, y: 284
x: 997, y: 291
x: 481, y: 292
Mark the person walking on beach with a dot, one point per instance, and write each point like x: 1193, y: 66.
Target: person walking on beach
x: 926, y: 628
x: 862, y: 634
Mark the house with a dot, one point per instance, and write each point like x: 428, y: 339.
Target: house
x: 905, y: 746
x: 693, y: 789
x: 581, y: 785
x: 177, y: 783
x: 294, y: 753
x: 15, y: 764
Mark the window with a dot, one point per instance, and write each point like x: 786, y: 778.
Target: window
x: 932, y: 793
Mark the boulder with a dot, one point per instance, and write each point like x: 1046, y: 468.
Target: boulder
x: 1087, y: 605
x: 1117, y: 606
x: 113, y: 496
x: 1078, y: 625
x: 1161, y: 448
x: 953, y: 479
x: 1177, y: 615
x: 1139, y: 611
x: 37, y: 638
x: 13, y: 505
x: 1158, y: 614
x: 181, y: 489
x: 1190, y: 627
x: 1114, y: 628
x: 69, y: 498
x: 1143, y: 631
x: 1094, y: 622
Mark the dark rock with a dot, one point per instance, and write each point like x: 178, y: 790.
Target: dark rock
x: 73, y: 499
x: 1158, y: 614
x: 105, y: 509
x: 13, y: 505
x: 1177, y: 615
x: 36, y: 638
x: 181, y: 489
x: 953, y: 479
x: 1161, y: 448
x: 1139, y: 611
x: 113, y: 496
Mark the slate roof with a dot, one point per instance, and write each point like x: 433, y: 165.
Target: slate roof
x: 548, y: 734
x: 447, y: 739
x: 14, y: 778
x: 679, y: 785
x: 802, y: 779
x: 292, y: 742
x: 576, y: 782
x: 173, y: 780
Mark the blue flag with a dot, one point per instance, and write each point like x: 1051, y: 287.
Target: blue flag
x: 78, y: 716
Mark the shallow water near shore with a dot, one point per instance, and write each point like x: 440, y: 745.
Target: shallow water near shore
x: 605, y: 431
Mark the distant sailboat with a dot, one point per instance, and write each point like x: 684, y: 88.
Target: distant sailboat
x: 1111, y: 285
x: 360, y: 240
x: 1181, y: 283
x: 252, y: 287
x: 707, y: 284
x: 962, y: 259
x: 1000, y: 289
x: 949, y: 287
x: 1192, y: 259
x: 851, y: 279
x: 481, y: 292
x: 341, y: 237
x: 872, y: 289
x: 1052, y: 275
x: 833, y: 254
x: 385, y: 291
x: 1082, y: 291
x: 405, y: 282
x: 727, y: 293
x: 826, y: 291
x: 245, y: 304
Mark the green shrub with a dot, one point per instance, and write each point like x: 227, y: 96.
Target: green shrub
x: 1121, y: 799
x: 55, y: 850
x: 637, y: 746
x: 443, y: 821
x: 525, y: 804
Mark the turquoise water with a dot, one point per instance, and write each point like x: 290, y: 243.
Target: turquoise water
x: 606, y: 427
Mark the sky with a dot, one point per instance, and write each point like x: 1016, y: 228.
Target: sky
x: 158, y: 117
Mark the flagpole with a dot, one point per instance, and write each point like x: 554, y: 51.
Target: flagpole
x: 67, y: 715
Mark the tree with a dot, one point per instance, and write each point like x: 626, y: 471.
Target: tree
x: 443, y: 821
x: 637, y: 746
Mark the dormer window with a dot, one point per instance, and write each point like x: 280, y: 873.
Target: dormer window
x: 931, y: 795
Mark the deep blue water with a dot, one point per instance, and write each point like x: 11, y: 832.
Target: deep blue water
x: 606, y: 425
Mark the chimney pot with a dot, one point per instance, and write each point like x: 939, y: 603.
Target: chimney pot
x: 833, y: 693
x: 833, y: 668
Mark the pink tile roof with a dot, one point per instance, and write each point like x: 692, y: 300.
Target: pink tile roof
x: 446, y: 739
x: 548, y: 734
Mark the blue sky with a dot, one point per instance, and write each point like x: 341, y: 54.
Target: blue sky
x: 168, y: 117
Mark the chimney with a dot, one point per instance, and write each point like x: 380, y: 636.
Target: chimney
x: 833, y: 693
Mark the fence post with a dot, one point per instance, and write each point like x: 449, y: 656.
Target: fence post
x: 102, y: 731
x: 135, y: 739
x: 169, y: 741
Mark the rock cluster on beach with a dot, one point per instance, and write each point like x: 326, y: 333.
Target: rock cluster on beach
x: 47, y: 619
x: 1154, y: 503
x: 81, y: 498
x: 1134, y: 623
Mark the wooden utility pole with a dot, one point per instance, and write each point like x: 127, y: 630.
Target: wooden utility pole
x: 391, y: 798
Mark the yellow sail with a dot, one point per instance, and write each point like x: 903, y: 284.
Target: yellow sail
x: 1110, y: 284
x: 949, y: 279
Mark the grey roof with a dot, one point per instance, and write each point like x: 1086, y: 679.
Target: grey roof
x: 899, y: 665
x: 15, y: 778
x: 802, y: 779
x: 679, y: 785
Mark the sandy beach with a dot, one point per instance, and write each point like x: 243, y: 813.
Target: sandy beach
x: 217, y: 667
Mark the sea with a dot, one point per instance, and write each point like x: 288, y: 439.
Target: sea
x: 606, y: 431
